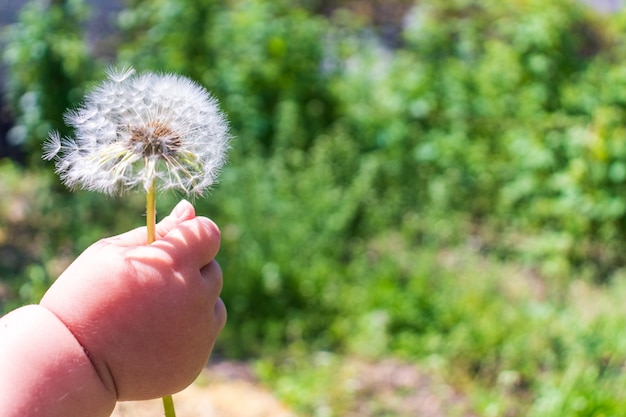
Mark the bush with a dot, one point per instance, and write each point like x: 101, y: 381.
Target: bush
x: 48, y: 66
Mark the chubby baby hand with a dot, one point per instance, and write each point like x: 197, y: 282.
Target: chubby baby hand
x: 147, y: 315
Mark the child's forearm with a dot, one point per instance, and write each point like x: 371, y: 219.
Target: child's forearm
x: 44, y: 371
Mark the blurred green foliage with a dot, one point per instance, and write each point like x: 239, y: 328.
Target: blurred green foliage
x: 48, y: 64
x: 267, y: 76
x: 457, y: 200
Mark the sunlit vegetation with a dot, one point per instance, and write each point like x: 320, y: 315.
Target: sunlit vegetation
x: 451, y: 196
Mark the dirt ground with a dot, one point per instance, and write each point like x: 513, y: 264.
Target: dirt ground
x: 226, y: 389
x: 390, y: 388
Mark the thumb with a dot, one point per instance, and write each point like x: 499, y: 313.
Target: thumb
x: 182, y: 212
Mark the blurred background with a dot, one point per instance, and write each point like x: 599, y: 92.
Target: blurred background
x: 425, y: 202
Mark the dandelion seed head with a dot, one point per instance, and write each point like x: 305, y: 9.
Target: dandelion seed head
x: 52, y: 146
x: 135, y: 129
x: 120, y: 74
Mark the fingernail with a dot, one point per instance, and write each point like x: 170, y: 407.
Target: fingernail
x: 181, y: 208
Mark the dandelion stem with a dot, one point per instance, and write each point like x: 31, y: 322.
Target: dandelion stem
x: 168, y: 403
x: 168, y: 406
x: 151, y: 212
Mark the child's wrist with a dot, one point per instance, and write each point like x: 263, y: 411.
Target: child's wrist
x: 45, y: 369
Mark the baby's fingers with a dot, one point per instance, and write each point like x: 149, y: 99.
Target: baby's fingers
x: 194, y: 242
x: 182, y: 212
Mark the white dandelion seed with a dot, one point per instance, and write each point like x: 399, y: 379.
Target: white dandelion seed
x: 137, y: 130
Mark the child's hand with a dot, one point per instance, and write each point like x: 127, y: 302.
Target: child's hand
x: 147, y: 315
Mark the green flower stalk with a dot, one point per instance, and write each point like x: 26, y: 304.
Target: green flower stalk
x: 150, y: 131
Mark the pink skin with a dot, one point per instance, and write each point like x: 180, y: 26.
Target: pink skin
x: 125, y: 321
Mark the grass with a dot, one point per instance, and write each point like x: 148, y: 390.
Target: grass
x: 501, y: 342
